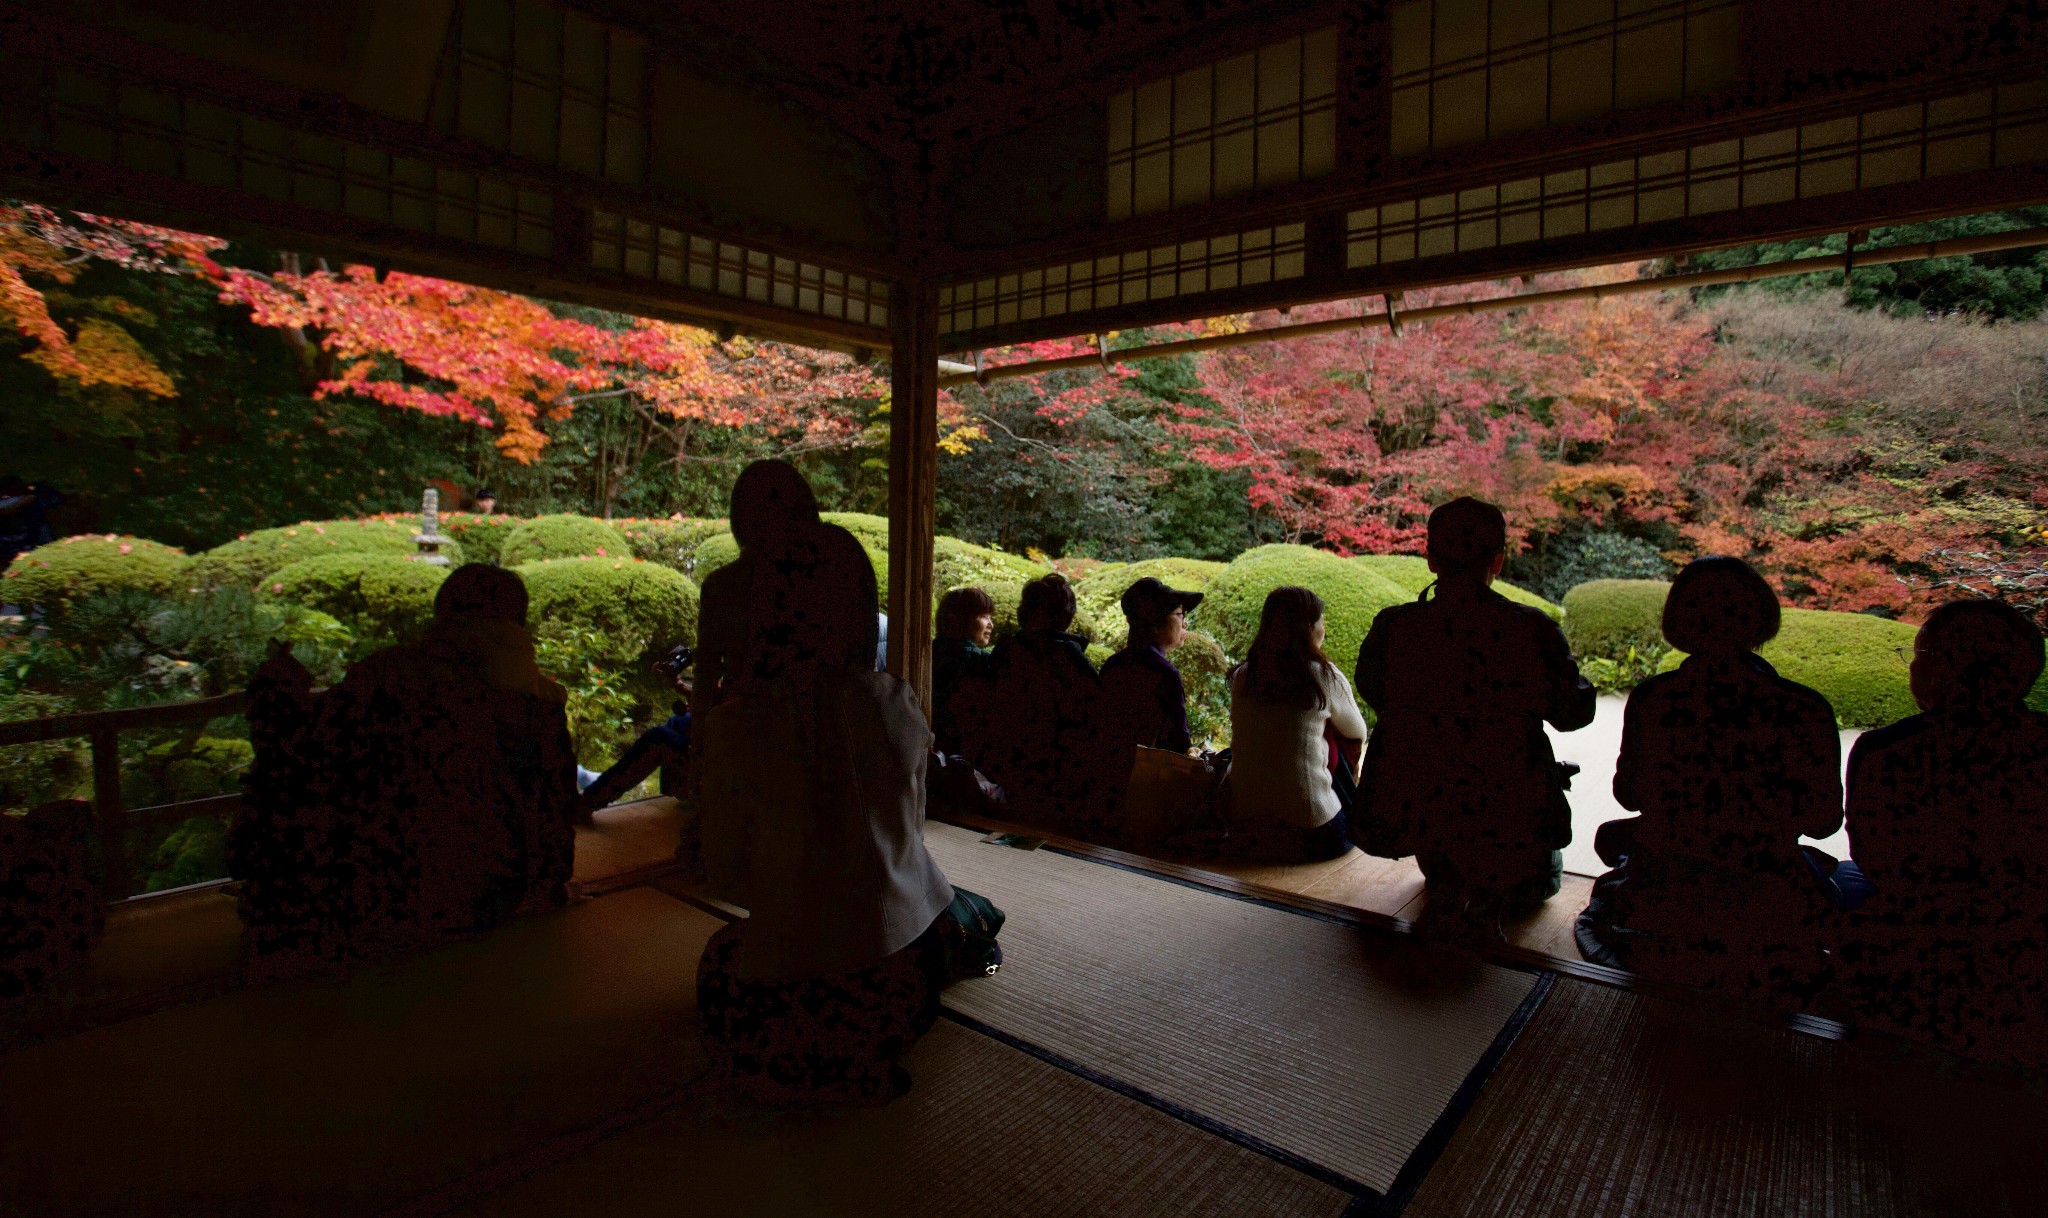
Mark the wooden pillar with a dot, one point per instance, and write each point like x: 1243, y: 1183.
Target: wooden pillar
x: 111, y: 813
x: 913, y: 480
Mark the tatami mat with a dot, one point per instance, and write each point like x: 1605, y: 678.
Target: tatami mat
x: 986, y: 1132
x: 1331, y: 1044
x: 339, y: 1097
x: 1618, y: 1106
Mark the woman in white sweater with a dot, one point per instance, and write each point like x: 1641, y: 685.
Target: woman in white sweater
x: 1292, y: 720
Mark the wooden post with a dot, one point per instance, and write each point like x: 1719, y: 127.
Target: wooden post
x: 913, y: 480
x: 110, y: 813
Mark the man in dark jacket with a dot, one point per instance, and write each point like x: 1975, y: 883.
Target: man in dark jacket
x: 1458, y: 771
x: 1145, y: 702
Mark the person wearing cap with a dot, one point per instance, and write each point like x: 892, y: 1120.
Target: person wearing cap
x: 1459, y: 772
x: 1144, y: 697
x: 484, y: 502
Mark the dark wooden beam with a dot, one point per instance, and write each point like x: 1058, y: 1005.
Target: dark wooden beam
x: 913, y: 481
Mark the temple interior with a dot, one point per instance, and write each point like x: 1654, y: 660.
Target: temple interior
x: 924, y: 181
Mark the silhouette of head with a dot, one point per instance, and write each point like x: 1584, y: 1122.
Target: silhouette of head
x: 1284, y: 664
x: 13, y: 484
x: 1466, y: 535
x: 959, y: 612
x: 770, y: 500
x: 1980, y: 651
x: 480, y: 592
x: 1048, y: 604
x: 1718, y: 606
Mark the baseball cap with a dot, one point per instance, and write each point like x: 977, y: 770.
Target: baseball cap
x: 1149, y: 600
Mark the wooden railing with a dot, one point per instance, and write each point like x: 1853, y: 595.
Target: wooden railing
x: 103, y: 729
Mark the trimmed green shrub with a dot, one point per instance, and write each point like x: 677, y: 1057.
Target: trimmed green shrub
x: 1205, y: 670
x: 1411, y: 572
x: 956, y: 563
x: 482, y: 537
x: 710, y: 554
x: 563, y: 536
x: 872, y: 530
x: 250, y: 559
x: 1352, y: 597
x: 1850, y: 658
x: 378, y: 597
x: 1605, y: 618
x: 720, y: 549
x: 638, y: 607
x: 669, y: 542
x: 73, y: 568
x: 1101, y: 591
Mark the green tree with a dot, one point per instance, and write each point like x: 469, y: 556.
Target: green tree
x: 2008, y: 284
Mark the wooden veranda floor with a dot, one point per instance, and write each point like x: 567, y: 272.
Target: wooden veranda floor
x: 553, y: 1067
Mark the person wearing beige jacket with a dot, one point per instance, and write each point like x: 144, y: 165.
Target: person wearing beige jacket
x: 1293, y: 720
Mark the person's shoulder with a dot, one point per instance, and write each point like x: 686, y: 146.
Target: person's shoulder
x: 1808, y: 700
x: 1881, y: 740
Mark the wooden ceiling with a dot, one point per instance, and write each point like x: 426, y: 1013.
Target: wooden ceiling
x: 1048, y: 166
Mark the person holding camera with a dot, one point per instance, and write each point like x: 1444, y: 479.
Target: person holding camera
x: 666, y: 743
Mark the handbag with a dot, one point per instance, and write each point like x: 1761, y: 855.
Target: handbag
x: 969, y: 929
x: 1168, y: 793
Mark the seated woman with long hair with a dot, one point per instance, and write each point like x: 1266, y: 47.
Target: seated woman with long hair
x: 1288, y: 706
x: 1729, y: 764
x: 812, y: 791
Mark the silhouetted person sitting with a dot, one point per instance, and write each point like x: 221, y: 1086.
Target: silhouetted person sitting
x: 24, y: 516
x: 812, y: 792
x: 53, y: 911
x: 963, y: 631
x: 1292, y: 718
x: 1031, y: 728
x: 1948, y: 814
x: 430, y: 792
x: 1459, y: 772
x: 1729, y: 763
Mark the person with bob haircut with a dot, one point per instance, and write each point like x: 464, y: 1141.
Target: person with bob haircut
x: 1729, y: 763
x: 1459, y: 772
x: 964, y: 630
x: 1293, y: 722
x: 1029, y: 727
x: 430, y: 792
x: 1948, y: 814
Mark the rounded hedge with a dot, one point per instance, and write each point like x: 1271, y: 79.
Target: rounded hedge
x: 669, y: 542
x: 957, y: 563
x: 1101, y: 590
x: 1205, y: 671
x: 482, y: 537
x: 872, y: 530
x: 254, y: 557
x: 720, y: 549
x: 1604, y: 618
x: 637, y: 607
x: 1851, y: 659
x: 1411, y: 572
x: 563, y: 536
x: 72, y: 568
x: 377, y: 595
x: 1352, y: 597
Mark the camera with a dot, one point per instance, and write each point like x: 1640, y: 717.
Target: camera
x: 678, y: 658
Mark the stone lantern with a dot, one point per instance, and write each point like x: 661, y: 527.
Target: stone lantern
x: 429, y: 539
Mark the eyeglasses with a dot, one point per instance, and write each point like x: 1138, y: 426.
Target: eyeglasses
x: 1907, y: 654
